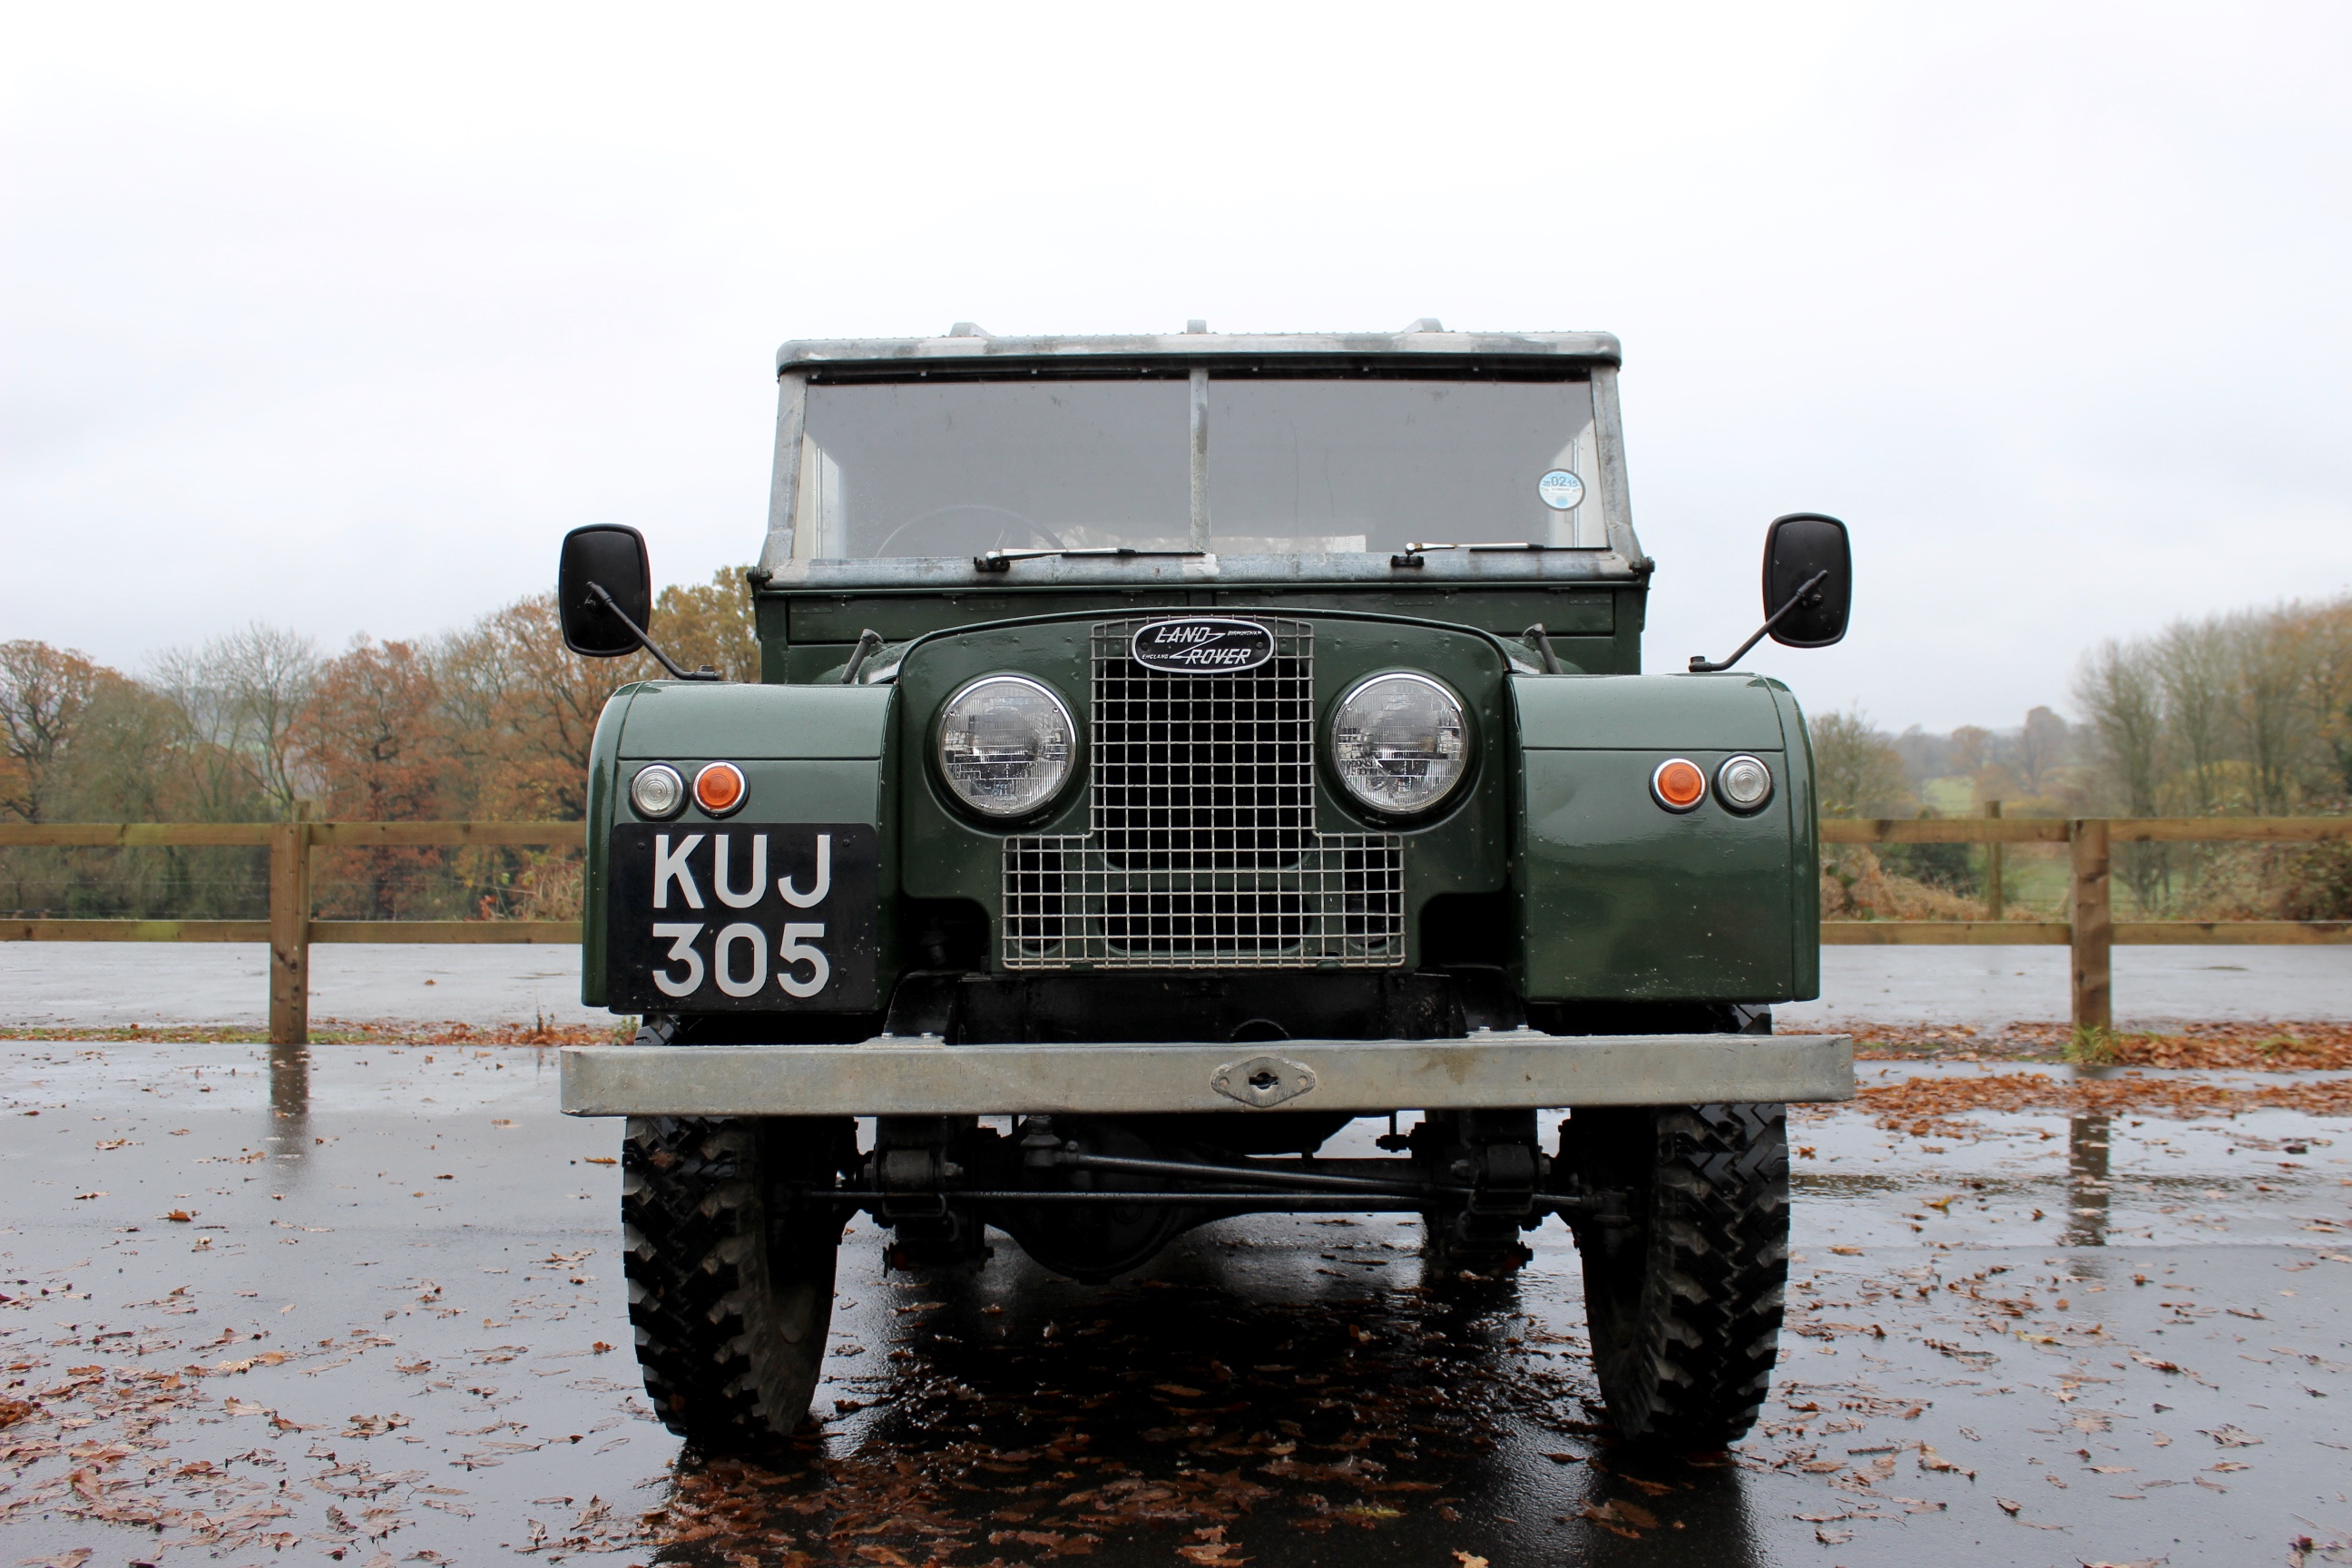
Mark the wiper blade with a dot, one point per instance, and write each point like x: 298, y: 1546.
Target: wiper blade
x: 1003, y: 560
x: 1412, y: 553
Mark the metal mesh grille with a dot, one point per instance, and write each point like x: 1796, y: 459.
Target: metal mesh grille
x: 1202, y: 849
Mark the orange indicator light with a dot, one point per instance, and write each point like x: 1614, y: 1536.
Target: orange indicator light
x: 718, y: 788
x: 1678, y: 785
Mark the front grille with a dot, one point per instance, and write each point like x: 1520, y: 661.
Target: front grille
x: 1203, y: 850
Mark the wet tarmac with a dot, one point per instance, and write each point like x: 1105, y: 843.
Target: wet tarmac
x: 364, y: 1303
x: 117, y: 984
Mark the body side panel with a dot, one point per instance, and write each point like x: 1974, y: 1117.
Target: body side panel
x: 1619, y: 899
x: 808, y: 754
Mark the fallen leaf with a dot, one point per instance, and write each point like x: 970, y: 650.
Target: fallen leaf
x: 2007, y: 1507
x: 1931, y: 1460
x: 1469, y: 1560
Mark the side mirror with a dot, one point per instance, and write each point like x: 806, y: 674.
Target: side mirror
x: 1808, y: 587
x: 612, y: 558
x: 1800, y: 549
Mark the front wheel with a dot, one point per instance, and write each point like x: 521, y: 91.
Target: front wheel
x: 730, y: 1274
x: 1684, y: 1263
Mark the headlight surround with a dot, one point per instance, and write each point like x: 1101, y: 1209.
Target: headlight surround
x: 1006, y: 745
x: 1400, y: 743
x: 658, y: 791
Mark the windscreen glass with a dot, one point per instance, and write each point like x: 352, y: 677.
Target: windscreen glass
x: 960, y: 467
x: 1332, y: 466
x: 1294, y: 466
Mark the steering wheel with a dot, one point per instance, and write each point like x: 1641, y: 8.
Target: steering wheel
x: 971, y: 519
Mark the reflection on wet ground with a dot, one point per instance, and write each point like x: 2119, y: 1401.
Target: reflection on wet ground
x: 364, y: 1301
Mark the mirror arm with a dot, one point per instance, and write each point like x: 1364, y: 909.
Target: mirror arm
x: 869, y: 643
x: 1700, y: 665
x: 706, y: 673
x: 1536, y: 637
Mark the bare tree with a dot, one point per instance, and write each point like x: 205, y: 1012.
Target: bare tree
x: 2121, y: 701
x: 2192, y: 661
x: 2122, y: 698
x: 239, y: 696
x: 2042, y: 748
x: 2327, y: 672
x: 2268, y: 663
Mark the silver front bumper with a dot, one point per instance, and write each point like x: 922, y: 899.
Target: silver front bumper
x: 919, y: 1076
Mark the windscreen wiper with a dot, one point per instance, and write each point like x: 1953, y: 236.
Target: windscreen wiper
x: 1412, y: 553
x: 1003, y: 560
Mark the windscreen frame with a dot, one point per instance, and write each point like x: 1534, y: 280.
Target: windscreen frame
x: 1618, y: 552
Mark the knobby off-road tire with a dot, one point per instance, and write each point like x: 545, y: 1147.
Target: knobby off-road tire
x: 730, y: 1279
x: 1683, y: 1302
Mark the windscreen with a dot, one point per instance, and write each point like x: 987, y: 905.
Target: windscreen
x: 1294, y: 466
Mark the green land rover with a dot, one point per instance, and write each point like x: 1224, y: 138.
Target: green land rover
x: 1168, y: 752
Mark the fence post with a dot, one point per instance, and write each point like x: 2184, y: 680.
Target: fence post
x: 290, y: 934
x: 2093, y: 920
x: 1996, y: 896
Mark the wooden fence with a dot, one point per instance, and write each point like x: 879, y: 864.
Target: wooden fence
x: 2091, y: 932
x: 290, y: 931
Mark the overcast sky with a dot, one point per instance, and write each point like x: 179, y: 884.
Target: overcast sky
x: 337, y: 317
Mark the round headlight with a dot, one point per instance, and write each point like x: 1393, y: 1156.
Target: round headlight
x: 1399, y: 744
x: 658, y: 791
x: 1744, y: 783
x: 1006, y: 745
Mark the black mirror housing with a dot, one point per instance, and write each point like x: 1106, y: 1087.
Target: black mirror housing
x: 614, y: 558
x: 1797, y: 548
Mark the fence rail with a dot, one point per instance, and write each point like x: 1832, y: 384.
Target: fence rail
x: 290, y: 931
x: 2091, y: 931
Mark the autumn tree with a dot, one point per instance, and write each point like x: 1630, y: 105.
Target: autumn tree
x: 710, y: 624
x: 1857, y: 772
x: 522, y: 708
x: 44, y: 693
x: 372, y: 743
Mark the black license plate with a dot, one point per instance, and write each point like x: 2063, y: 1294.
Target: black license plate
x: 743, y: 917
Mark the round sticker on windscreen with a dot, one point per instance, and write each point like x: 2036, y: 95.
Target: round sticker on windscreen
x: 1560, y: 490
